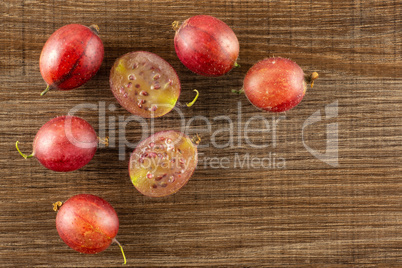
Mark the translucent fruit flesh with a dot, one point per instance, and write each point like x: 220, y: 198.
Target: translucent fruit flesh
x: 163, y: 163
x: 145, y: 84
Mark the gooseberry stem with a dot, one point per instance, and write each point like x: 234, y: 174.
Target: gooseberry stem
x: 23, y: 155
x: 45, y: 91
x: 104, y: 141
x: 236, y: 65
x: 94, y: 28
x: 310, y: 78
x: 194, y: 100
x: 121, y: 248
x: 241, y: 91
x: 176, y: 25
x: 196, y: 139
x: 57, y: 205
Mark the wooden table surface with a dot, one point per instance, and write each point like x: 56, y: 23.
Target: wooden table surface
x: 239, y: 208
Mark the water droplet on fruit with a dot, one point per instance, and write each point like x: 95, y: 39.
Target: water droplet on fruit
x: 169, y: 83
x: 131, y: 77
x: 154, y: 107
x: 154, y: 186
x: 165, y: 164
x: 163, y: 184
x: 151, y: 144
x: 129, y: 85
x: 135, y: 65
x: 169, y: 140
x: 156, y: 86
x: 125, y: 95
x: 156, y: 76
x: 150, y: 175
x: 152, y: 155
x: 121, y: 90
x: 144, y: 93
x: 171, y: 179
x: 137, y: 86
x: 159, y: 147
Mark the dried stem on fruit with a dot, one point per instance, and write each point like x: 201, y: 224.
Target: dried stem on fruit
x: 104, y: 141
x: 310, y: 78
x: 57, y: 205
x: 176, y: 25
x: 94, y: 28
x: 196, y: 139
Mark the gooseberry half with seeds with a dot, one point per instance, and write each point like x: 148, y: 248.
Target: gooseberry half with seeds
x: 163, y: 163
x: 144, y: 84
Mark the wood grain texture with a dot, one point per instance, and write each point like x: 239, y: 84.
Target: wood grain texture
x: 305, y: 214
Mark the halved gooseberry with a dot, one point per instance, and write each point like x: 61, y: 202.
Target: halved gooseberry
x: 163, y: 163
x: 144, y: 84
